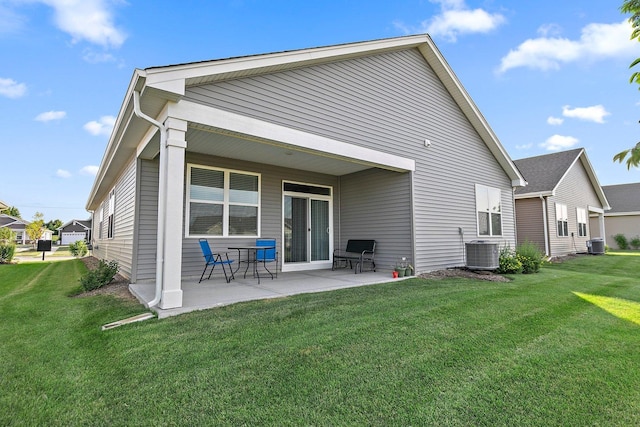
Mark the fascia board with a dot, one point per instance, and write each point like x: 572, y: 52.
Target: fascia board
x: 158, y: 75
x: 535, y: 195
x: 608, y: 214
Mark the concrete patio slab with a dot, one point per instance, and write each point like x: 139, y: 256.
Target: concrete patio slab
x: 216, y: 292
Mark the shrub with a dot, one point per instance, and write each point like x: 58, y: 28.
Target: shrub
x: 530, y: 256
x: 509, y: 262
x: 621, y: 240
x: 7, y: 250
x: 79, y: 248
x: 101, y: 276
x: 7, y: 234
x: 635, y: 242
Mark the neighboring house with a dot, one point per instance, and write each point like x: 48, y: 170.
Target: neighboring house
x: 624, y: 216
x: 75, y: 230
x: 553, y: 210
x: 3, y: 206
x: 19, y: 226
x: 371, y: 140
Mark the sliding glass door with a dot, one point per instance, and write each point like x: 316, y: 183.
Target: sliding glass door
x: 307, y: 227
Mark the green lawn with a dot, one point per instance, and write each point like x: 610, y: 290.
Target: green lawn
x: 561, y: 347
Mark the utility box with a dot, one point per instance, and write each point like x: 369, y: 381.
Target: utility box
x: 482, y: 255
x: 595, y: 246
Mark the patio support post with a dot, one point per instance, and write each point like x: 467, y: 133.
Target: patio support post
x: 174, y: 181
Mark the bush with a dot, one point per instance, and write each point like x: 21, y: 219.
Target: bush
x: 7, y: 234
x: 530, y: 256
x: 635, y: 242
x: 79, y: 248
x: 101, y: 276
x: 621, y: 240
x: 509, y: 262
x: 7, y: 250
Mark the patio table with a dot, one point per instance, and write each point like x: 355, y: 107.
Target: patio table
x: 251, y: 250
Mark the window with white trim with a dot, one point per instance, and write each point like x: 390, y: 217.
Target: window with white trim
x: 489, y: 210
x: 111, y: 214
x: 562, y: 220
x: 582, y: 221
x: 222, y: 202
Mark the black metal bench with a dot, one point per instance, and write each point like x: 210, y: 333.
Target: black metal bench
x: 360, y: 251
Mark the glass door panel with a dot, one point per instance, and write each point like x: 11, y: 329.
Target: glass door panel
x: 319, y: 230
x: 295, y: 229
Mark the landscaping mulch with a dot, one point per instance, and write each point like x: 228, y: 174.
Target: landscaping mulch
x: 118, y: 287
x: 466, y: 273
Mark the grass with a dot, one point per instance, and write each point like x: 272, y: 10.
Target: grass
x: 560, y: 347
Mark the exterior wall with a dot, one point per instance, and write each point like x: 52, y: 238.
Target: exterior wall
x: 120, y: 247
x: 391, y: 103
x: 530, y: 222
x: 270, y: 207
x: 147, y: 230
x: 629, y: 225
x: 575, y: 191
x: 376, y: 204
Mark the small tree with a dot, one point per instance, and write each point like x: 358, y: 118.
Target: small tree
x: 13, y: 211
x: 35, y: 229
x: 7, y: 245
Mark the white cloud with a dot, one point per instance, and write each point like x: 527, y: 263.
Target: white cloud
x: 51, y: 115
x: 559, y: 142
x: 89, y: 170
x: 457, y: 19
x: 97, y: 57
x: 10, y: 21
x: 61, y: 173
x: 597, y: 42
x: 595, y: 113
x: 524, y: 146
x: 90, y: 20
x: 554, y: 121
x: 104, y: 126
x: 11, y: 88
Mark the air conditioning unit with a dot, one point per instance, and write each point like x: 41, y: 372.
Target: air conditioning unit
x: 482, y: 255
x: 595, y: 246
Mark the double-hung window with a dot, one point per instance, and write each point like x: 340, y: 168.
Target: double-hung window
x: 582, y: 221
x: 562, y: 220
x: 222, y: 202
x: 489, y: 210
x: 100, y: 221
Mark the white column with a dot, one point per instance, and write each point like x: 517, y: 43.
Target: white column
x: 601, y: 226
x: 176, y: 145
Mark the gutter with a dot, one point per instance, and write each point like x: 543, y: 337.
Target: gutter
x: 162, y: 216
x: 546, y: 225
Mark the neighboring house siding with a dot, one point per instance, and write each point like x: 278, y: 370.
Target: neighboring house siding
x: 271, y: 207
x: 627, y: 225
x: 530, y: 219
x: 147, y: 230
x: 390, y: 102
x: 574, y: 191
x: 120, y: 247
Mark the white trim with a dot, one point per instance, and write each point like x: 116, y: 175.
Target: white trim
x: 622, y: 214
x: 535, y: 195
x: 271, y: 133
x: 491, y: 234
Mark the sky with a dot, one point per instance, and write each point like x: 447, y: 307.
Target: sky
x: 547, y: 75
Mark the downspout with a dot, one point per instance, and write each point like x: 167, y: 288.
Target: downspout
x: 161, y: 198
x: 545, y: 225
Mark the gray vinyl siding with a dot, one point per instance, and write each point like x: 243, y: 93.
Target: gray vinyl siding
x: 376, y: 204
x: 271, y: 207
x: 389, y: 102
x: 530, y: 222
x: 575, y: 190
x: 120, y: 247
x: 147, y: 231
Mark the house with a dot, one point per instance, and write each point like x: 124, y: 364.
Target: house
x: 553, y: 210
x: 624, y: 216
x: 3, y: 206
x: 369, y: 140
x: 19, y: 226
x: 74, y: 230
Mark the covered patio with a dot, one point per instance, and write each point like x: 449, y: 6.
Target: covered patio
x: 216, y: 292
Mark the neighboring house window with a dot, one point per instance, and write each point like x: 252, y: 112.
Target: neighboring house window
x: 19, y: 236
x: 222, y: 202
x: 562, y: 220
x: 111, y: 216
x: 582, y: 222
x: 101, y: 221
x: 489, y: 210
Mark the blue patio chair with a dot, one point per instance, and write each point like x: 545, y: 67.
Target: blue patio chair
x: 213, y: 259
x: 267, y: 255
